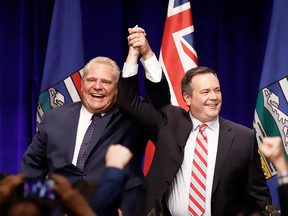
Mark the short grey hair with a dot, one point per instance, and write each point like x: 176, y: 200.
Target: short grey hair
x: 103, y: 60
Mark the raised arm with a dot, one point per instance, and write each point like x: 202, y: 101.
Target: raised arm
x: 156, y: 85
x: 108, y: 196
x: 272, y: 149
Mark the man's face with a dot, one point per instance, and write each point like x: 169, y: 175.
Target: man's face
x: 99, y: 88
x: 206, y: 100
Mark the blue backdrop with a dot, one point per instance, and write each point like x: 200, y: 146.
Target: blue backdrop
x: 230, y: 37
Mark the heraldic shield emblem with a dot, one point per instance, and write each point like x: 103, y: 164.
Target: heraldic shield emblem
x: 271, y: 118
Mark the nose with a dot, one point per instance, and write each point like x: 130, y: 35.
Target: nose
x: 98, y: 85
x: 212, y: 95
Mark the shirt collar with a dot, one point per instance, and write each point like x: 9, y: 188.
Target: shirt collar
x: 213, y: 125
x: 86, y: 114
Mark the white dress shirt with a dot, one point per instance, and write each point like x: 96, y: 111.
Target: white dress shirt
x: 83, y: 124
x: 153, y: 72
x: 179, y: 191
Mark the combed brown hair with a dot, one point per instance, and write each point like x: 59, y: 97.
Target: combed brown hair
x: 186, y: 83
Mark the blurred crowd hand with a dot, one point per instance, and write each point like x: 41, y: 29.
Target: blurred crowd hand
x: 120, y: 212
x: 137, y: 39
x: 9, y: 185
x: 118, y: 156
x: 272, y: 148
x: 68, y: 199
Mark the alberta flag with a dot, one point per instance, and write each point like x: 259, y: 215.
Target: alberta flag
x: 61, y: 81
x: 271, y: 113
x: 177, y: 55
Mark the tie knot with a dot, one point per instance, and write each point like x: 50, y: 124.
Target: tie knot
x: 202, y: 127
x: 95, y: 117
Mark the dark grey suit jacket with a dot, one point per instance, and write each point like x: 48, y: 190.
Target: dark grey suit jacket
x: 238, y: 175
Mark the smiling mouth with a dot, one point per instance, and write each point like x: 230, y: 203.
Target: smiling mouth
x: 212, y: 105
x: 97, y: 96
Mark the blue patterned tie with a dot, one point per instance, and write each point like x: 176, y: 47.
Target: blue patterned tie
x: 82, y: 153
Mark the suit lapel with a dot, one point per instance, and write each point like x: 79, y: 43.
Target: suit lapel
x: 72, y: 120
x: 226, y: 137
x: 184, y: 129
x: 100, y: 126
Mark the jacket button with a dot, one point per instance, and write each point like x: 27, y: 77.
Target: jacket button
x: 84, y: 175
x: 154, y: 200
x: 167, y: 182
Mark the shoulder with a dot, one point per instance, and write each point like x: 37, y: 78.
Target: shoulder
x: 71, y: 107
x: 175, y: 113
x: 235, y: 127
x: 171, y: 109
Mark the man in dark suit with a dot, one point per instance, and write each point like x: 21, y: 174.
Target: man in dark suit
x: 273, y: 150
x: 57, y: 145
x: 234, y: 173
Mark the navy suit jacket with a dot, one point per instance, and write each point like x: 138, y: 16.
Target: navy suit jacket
x: 109, y: 193
x: 238, y: 175
x: 52, y: 148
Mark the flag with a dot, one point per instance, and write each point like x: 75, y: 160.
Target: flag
x: 61, y: 80
x: 177, y: 55
x: 271, y: 113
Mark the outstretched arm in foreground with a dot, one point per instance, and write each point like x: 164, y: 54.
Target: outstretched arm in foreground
x: 108, y: 196
x: 272, y: 149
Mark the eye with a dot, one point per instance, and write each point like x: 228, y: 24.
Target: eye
x: 106, y: 82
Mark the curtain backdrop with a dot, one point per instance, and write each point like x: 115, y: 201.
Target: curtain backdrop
x: 230, y: 38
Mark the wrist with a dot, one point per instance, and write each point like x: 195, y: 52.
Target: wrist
x: 132, y: 59
x: 148, y: 55
x: 115, y: 165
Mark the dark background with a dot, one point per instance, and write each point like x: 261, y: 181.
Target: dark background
x: 230, y: 38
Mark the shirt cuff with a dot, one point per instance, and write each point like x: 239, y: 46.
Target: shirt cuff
x: 153, y: 70
x: 129, y: 70
x: 282, y: 177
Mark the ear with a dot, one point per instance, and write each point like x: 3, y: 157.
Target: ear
x: 187, y: 98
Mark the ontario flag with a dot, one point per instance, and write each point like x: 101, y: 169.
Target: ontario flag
x: 177, y: 55
x: 61, y: 80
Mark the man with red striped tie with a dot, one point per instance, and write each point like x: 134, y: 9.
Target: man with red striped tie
x: 203, y: 164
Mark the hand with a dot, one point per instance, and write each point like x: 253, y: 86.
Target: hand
x: 8, y: 186
x: 133, y: 53
x: 271, y: 147
x: 137, y: 39
x: 118, y: 156
x: 68, y: 199
x: 120, y: 212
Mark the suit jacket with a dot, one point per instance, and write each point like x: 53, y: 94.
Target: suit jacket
x: 52, y: 148
x: 283, y: 198
x: 238, y: 174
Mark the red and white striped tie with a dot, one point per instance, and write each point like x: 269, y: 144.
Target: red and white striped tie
x: 197, y: 191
